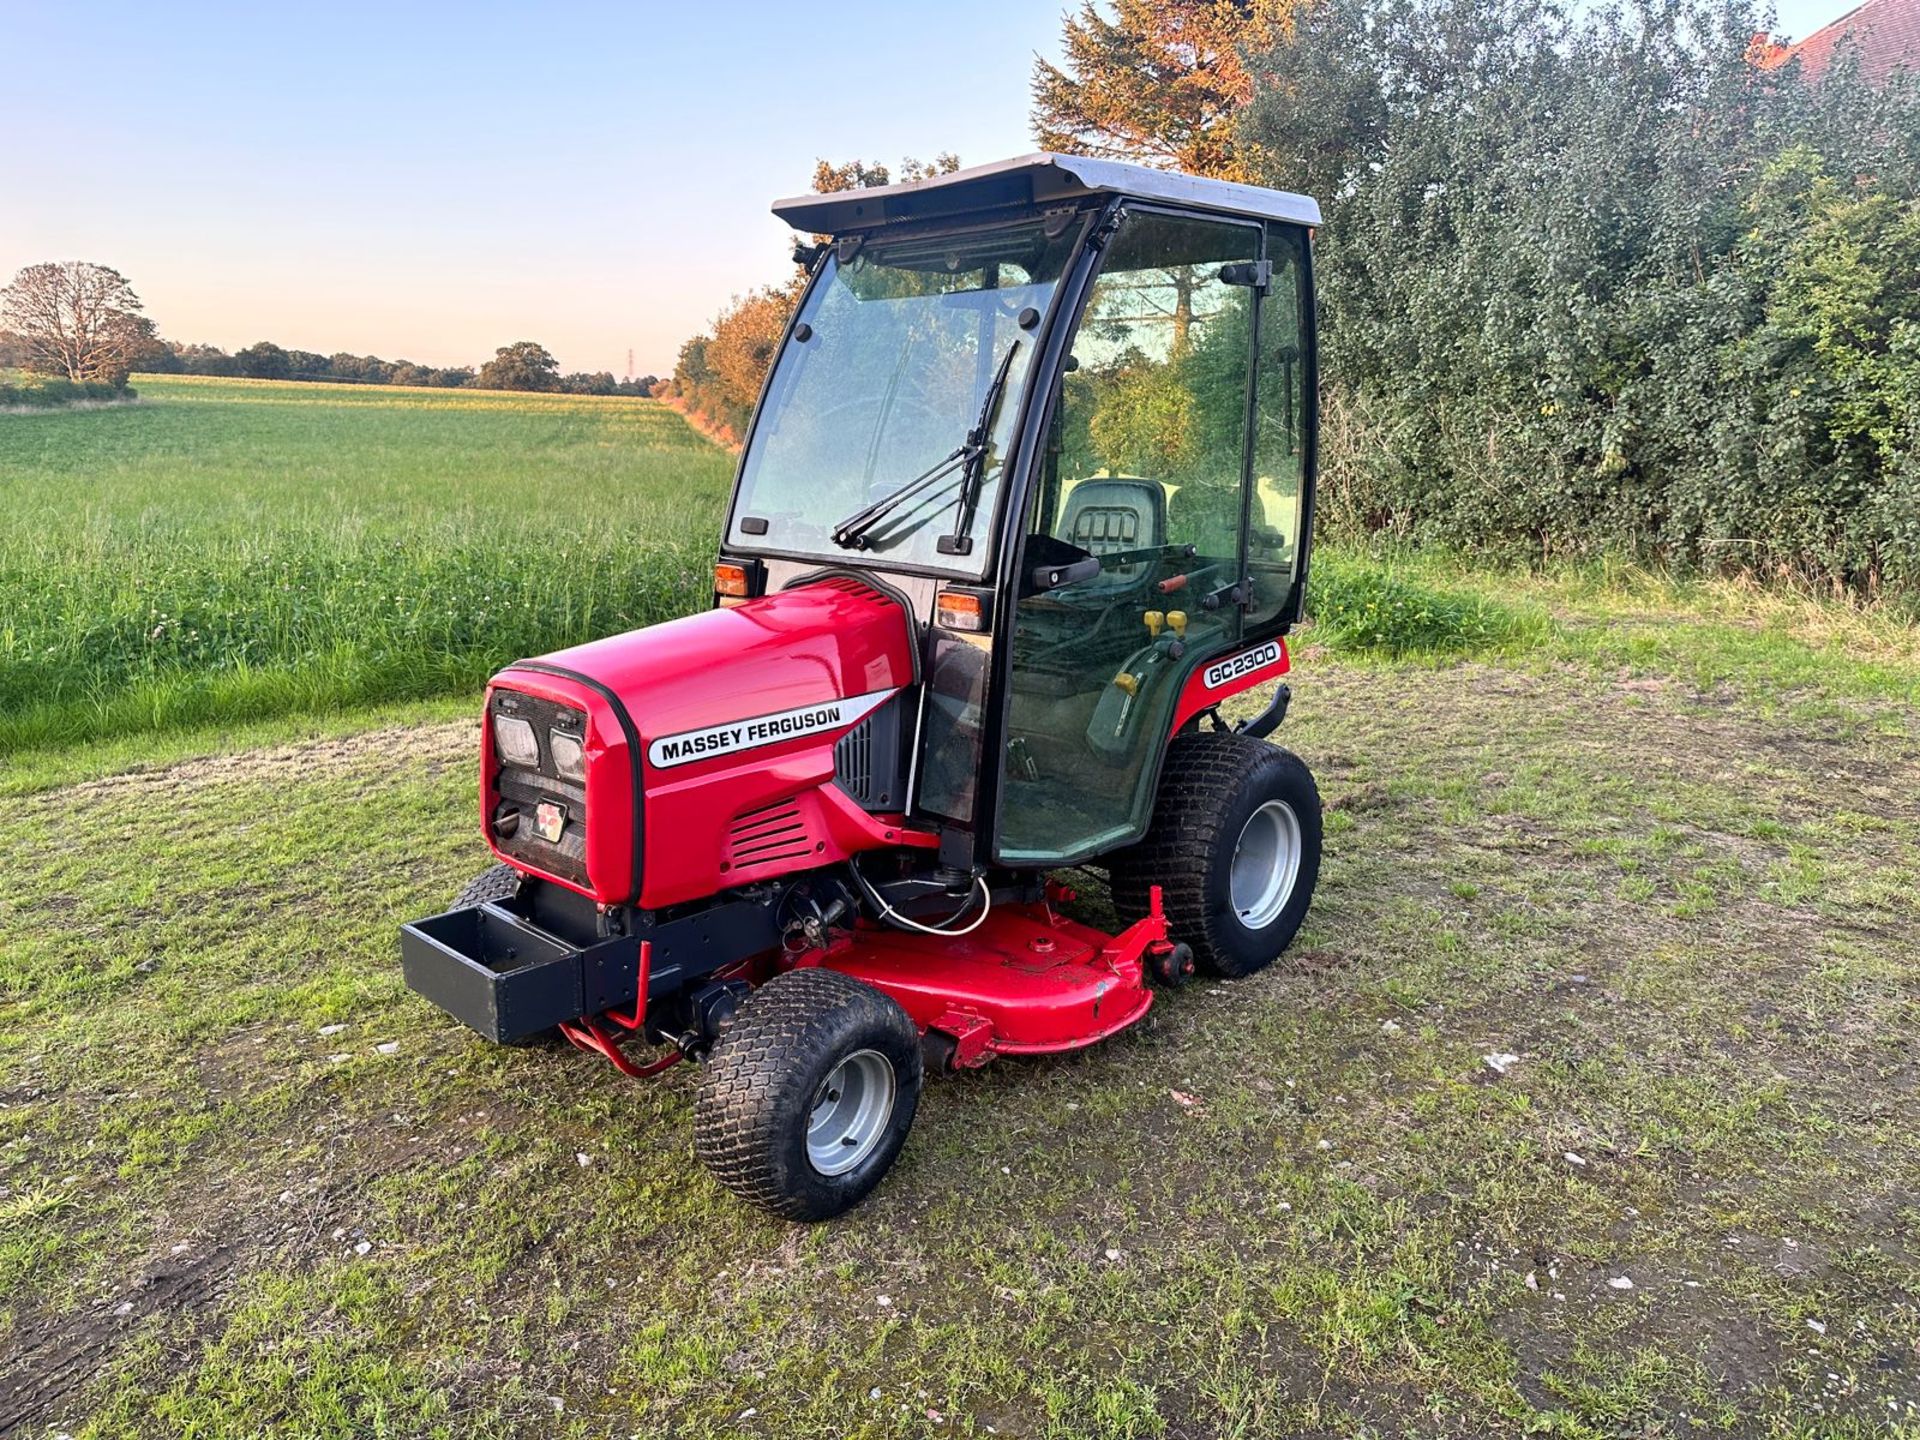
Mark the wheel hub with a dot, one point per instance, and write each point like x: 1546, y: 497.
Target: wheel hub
x: 1266, y: 862
x: 850, y: 1112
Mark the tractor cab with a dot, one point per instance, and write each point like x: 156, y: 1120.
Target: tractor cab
x: 1026, y: 498
x: 1065, y: 408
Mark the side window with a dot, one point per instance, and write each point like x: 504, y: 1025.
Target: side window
x: 1153, y: 412
x: 1280, y: 439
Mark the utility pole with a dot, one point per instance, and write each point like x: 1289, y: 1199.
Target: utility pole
x: 629, y: 364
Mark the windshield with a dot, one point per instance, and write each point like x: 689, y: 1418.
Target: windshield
x: 889, y: 366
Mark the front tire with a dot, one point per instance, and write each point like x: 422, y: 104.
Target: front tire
x: 1235, y: 847
x: 808, y: 1096
x: 497, y: 882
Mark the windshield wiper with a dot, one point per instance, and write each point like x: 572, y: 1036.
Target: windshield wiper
x: 851, y: 533
x: 979, y: 442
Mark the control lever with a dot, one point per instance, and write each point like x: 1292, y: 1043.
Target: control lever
x: 1180, y: 582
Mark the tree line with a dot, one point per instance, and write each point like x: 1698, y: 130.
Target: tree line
x: 1591, y: 279
x: 81, y: 325
x: 523, y: 365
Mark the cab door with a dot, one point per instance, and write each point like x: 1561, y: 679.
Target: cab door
x: 1139, y: 508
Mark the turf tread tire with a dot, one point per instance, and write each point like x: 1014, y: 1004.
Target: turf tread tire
x: 751, y: 1108
x: 1211, y: 782
x: 497, y: 882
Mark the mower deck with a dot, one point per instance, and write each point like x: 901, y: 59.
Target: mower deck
x: 1028, y: 981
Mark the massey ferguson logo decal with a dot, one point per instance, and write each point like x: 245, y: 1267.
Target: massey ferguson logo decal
x: 751, y: 734
x: 1238, y: 667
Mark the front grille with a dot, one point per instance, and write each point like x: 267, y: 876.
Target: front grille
x: 767, y: 835
x: 519, y: 792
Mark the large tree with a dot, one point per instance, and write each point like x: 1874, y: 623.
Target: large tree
x: 1158, y: 81
x: 76, y: 319
x: 523, y: 365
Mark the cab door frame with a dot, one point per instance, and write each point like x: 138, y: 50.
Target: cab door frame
x: 1290, y: 611
x: 1017, y: 497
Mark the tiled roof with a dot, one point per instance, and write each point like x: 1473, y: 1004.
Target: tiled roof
x: 1885, y: 33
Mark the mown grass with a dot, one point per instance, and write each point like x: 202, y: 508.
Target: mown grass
x: 252, y: 1185
x: 230, y: 550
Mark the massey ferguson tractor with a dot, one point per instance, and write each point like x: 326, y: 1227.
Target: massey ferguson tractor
x: 1026, y: 497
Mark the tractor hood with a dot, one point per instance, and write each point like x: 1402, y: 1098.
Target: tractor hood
x: 695, y: 727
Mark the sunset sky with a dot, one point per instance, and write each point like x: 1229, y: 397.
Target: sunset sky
x: 433, y: 181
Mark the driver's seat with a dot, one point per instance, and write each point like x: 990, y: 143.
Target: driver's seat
x: 1105, y: 517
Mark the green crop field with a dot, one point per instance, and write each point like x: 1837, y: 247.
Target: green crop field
x: 231, y: 549
x: 1585, y: 1105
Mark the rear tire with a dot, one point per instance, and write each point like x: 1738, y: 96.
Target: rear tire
x: 1235, y: 847
x: 808, y: 1096
x: 498, y: 882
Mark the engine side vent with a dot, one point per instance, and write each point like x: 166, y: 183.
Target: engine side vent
x: 867, y: 760
x: 767, y: 835
x: 853, y: 761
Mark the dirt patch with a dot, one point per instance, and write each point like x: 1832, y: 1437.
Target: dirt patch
x: 399, y: 747
x: 51, y: 1360
x: 226, y: 1222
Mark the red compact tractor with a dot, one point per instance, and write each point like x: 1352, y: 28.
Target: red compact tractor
x: 1026, y: 497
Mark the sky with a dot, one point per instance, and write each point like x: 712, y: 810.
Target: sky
x: 433, y: 181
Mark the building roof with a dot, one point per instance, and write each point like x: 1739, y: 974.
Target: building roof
x: 1885, y: 34
x: 1029, y: 180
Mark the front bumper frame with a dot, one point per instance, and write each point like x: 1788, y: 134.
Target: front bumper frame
x: 507, y: 978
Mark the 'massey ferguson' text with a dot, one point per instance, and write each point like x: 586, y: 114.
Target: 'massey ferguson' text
x: 758, y: 730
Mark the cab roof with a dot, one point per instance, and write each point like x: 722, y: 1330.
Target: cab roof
x: 1038, y: 179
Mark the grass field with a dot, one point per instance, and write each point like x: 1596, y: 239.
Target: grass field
x: 1658, y: 843
x: 231, y: 549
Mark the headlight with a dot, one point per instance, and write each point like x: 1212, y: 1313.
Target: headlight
x: 569, y: 756
x: 514, y: 739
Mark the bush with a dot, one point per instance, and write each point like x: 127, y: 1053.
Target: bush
x: 1363, y: 607
x: 44, y: 392
x: 1592, y: 282
x: 718, y: 375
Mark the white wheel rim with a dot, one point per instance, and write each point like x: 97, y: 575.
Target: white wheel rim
x: 850, y: 1112
x: 1266, y: 862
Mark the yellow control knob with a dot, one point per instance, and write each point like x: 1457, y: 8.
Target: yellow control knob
x: 1127, y: 682
x: 1154, y: 621
x: 1177, y: 622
